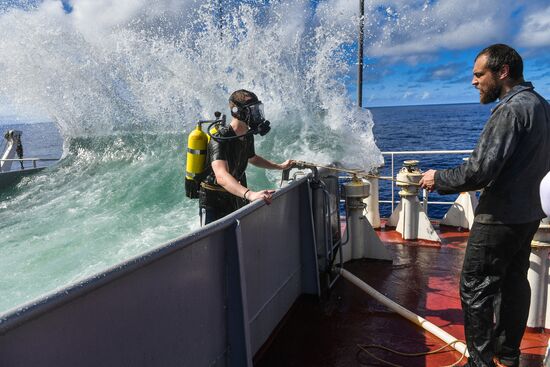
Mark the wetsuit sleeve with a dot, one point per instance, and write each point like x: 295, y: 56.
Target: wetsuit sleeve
x: 497, y: 143
x: 250, y: 152
x: 217, y: 150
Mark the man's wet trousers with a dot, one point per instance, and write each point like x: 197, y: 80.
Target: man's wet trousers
x: 494, y: 291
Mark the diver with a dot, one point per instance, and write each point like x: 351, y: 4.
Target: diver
x: 19, y: 151
x: 224, y: 189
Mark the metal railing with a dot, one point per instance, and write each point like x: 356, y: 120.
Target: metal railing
x: 425, y: 194
x: 33, y: 160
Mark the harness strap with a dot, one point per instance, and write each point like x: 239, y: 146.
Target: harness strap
x: 207, y: 186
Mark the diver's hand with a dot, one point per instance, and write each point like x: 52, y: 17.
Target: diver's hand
x: 289, y: 163
x: 428, y: 180
x: 265, y: 195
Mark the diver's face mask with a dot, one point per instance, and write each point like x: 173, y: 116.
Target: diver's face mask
x: 255, y: 118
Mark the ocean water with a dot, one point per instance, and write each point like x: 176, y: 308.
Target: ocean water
x: 123, y: 93
x: 114, y: 197
x: 431, y: 127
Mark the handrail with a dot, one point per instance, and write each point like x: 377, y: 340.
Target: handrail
x: 29, y: 159
x: 33, y: 160
x: 392, y: 154
x: 425, y: 201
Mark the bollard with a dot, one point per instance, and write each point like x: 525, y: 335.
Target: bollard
x: 538, y: 279
x: 538, y: 276
x: 409, y: 218
x: 372, y: 210
x: 363, y: 241
x: 462, y: 212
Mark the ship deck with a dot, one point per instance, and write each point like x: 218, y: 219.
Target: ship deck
x: 423, y: 278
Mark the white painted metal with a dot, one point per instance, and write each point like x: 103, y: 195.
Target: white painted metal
x: 538, y: 280
x: 411, y: 221
x: 545, y: 194
x: 363, y: 241
x: 409, y: 315
x: 409, y: 218
x: 392, y: 155
x: 372, y: 211
x: 461, y: 213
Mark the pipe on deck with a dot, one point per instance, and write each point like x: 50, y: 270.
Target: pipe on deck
x: 411, y: 316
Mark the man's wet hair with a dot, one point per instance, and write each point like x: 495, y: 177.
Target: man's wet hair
x: 242, y: 97
x: 499, y: 55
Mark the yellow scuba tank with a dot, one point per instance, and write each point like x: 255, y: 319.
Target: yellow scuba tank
x: 197, y: 143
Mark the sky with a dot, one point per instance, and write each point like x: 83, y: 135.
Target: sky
x: 416, y: 52
x: 423, y: 52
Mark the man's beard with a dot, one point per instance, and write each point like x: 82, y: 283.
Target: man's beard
x: 491, y: 94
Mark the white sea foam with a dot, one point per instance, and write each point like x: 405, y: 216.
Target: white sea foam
x: 134, y: 66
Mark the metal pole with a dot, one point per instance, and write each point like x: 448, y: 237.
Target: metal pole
x: 220, y: 19
x: 392, y: 185
x: 360, y: 54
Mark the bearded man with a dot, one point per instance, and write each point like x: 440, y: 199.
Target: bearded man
x: 508, y: 163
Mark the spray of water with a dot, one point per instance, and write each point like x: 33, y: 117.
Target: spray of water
x: 159, y: 71
x: 124, y: 81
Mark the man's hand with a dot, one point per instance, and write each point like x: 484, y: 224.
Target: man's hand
x: 264, y: 195
x: 428, y: 180
x: 289, y: 163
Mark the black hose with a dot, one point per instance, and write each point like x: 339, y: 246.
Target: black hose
x: 224, y: 138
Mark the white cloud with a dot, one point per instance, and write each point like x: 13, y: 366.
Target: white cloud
x: 420, y: 27
x: 407, y: 94
x: 443, y: 73
x: 536, y: 29
x: 97, y: 17
x: 425, y: 95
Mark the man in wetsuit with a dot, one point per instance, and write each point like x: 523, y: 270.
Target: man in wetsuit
x: 508, y: 163
x: 225, y: 190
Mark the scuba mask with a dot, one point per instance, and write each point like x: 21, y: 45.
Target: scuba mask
x: 253, y: 114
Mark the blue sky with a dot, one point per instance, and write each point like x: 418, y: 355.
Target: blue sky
x: 446, y: 78
x: 422, y: 52
x: 416, y: 51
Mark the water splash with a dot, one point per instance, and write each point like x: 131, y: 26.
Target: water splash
x: 162, y: 71
x: 125, y: 87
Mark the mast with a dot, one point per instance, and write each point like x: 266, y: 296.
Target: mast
x: 360, y: 54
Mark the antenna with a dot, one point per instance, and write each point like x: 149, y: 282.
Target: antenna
x: 360, y: 54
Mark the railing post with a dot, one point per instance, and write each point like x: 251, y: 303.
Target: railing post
x: 425, y: 200
x: 392, y: 186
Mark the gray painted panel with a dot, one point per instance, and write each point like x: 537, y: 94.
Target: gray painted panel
x: 12, y: 177
x: 272, y: 262
x: 170, y: 313
x: 210, y: 298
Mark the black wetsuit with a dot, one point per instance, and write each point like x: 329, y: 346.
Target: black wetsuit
x: 218, y: 203
x: 19, y: 151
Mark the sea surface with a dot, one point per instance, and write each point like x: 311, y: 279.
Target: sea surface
x: 429, y: 127
x: 121, y: 99
x: 113, y: 197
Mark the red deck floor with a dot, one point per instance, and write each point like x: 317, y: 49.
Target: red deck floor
x: 423, y: 278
